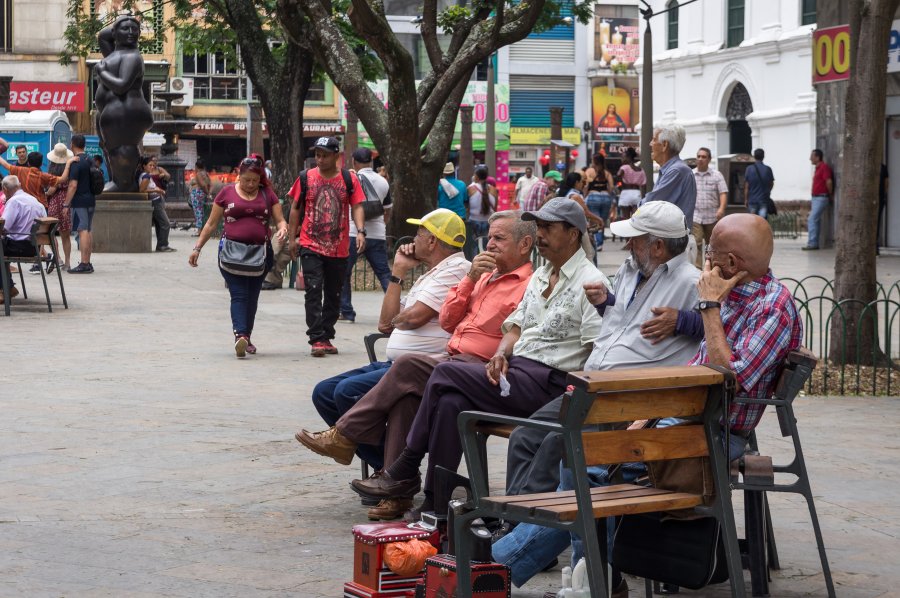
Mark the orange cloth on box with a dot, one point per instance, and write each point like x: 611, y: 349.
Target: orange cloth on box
x: 408, y: 558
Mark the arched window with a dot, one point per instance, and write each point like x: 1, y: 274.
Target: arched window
x: 672, y: 38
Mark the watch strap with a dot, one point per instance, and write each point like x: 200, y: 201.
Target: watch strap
x: 704, y: 305
x: 396, y: 279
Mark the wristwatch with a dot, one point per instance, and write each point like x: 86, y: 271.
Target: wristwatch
x: 704, y: 305
x: 361, y: 232
x: 396, y: 279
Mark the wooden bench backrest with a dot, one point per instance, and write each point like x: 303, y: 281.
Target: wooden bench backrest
x: 41, y: 229
x: 645, y: 393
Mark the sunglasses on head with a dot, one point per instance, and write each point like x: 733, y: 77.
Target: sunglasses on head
x: 251, y: 162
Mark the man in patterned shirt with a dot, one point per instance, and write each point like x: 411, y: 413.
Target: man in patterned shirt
x: 550, y: 333
x: 712, y: 199
x: 541, y: 191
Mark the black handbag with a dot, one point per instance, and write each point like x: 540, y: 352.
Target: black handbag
x: 690, y: 554
x: 242, y: 259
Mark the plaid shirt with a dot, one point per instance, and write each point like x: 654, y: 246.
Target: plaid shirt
x: 761, y: 327
x: 534, y: 199
x: 709, y: 185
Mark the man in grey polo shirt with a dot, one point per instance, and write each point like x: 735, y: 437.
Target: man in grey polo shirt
x: 643, y: 325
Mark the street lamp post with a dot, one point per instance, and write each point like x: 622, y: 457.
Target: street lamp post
x: 647, y: 99
x: 490, y: 146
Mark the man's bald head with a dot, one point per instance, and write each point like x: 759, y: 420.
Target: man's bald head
x: 742, y: 242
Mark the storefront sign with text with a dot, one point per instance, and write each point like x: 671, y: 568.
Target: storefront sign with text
x: 831, y: 54
x: 25, y: 96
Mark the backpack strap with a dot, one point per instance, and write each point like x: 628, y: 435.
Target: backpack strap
x: 348, y: 182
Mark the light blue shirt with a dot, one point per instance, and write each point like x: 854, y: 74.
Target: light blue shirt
x: 676, y: 185
x: 20, y: 211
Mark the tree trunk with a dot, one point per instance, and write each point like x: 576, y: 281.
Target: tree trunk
x: 854, y: 267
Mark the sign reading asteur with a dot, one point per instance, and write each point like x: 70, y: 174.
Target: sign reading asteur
x: 25, y: 96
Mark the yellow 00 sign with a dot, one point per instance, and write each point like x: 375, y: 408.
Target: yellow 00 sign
x: 831, y: 54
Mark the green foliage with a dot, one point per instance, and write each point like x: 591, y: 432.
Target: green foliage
x: 83, y: 26
x: 452, y: 17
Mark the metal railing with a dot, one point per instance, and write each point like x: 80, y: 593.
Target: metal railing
x: 785, y: 225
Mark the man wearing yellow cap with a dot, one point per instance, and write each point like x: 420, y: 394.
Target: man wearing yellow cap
x: 411, y: 321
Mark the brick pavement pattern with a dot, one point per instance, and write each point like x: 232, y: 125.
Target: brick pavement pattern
x: 138, y: 457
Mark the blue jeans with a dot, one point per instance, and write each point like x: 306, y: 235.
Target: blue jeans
x: 529, y: 549
x: 376, y: 255
x: 814, y: 224
x: 760, y: 209
x: 599, y: 203
x: 244, y: 291
x: 333, y: 397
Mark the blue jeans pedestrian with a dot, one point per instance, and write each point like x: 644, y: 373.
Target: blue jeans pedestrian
x: 814, y: 224
x: 600, y: 204
x: 529, y: 549
x: 333, y: 397
x: 376, y: 255
x: 760, y: 209
x: 244, y: 291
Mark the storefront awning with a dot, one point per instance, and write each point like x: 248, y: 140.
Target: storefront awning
x: 219, y: 128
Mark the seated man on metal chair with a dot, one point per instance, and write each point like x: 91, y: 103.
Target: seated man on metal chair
x: 412, y: 321
x: 473, y: 312
x: 20, y: 213
x: 750, y: 325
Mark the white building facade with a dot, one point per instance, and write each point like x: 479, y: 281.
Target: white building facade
x: 737, y: 76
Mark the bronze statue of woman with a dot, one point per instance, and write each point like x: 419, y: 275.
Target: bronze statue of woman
x: 123, y: 114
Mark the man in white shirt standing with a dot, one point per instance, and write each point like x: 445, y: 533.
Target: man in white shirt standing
x: 524, y: 185
x: 20, y: 211
x: 377, y: 190
x: 712, y: 199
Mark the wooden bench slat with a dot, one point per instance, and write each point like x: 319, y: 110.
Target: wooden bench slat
x: 650, y: 404
x: 569, y: 494
x: 645, y: 378
x: 651, y: 444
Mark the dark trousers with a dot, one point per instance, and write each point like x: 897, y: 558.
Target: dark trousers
x: 387, y: 411
x: 244, y: 291
x: 324, y: 277
x: 456, y: 387
x: 16, y: 248
x: 160, y: 223
x: 533, y: 456
x: 376, y: 255
x: 335, y: 396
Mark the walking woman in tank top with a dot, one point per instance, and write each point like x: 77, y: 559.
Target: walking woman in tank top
x: 634, y: 184
x: 600, y: 194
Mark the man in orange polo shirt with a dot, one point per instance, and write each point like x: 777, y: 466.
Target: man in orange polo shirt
x: 33, y: 180
x: 472, y: 312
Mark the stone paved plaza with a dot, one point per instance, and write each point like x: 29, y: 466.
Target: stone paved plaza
x: 138, y: 457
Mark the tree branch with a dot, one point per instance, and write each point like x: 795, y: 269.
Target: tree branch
x: 428, y: 29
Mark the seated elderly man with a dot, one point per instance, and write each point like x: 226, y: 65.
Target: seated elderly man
x: 750, y: 325
x: 549, y: 334
x: 472, y: 312
x: 412, y: 321
x: 20, y: 211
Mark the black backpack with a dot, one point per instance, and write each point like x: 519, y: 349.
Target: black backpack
x: 301, y: 201
x: 97, y: 181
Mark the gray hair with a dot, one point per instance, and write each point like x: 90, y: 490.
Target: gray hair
x: 521, y: 228
x: 673, y: 246
x: 672, y: 133
x: 11, y: 183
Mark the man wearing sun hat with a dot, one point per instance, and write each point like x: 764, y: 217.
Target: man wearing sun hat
x: 550, y: 333
x: 411, y: 321
x: 452, y: 192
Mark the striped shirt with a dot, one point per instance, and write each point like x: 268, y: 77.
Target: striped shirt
x: 710, y: 184
x: 761, y: 327
x: 534, y: 199
x: 430, y: 289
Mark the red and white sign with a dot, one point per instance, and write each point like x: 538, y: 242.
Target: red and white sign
x: 40, y: 95
x: 239, y: 129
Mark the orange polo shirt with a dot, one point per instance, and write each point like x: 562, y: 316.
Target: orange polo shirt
x: 474, y: 311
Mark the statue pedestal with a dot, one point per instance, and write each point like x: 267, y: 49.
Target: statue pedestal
x: 123, y: 223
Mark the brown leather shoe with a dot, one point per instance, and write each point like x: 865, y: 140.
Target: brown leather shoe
x: 390, y: 508
x: 13, y: 292
x: 381, y: 485
x: 328, y: 443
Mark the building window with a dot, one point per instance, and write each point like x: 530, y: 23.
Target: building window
x: 672, y: 38
x: 316, y: 92
x: 216, y: 77
x: 807, y: 12
x: 735, y: 23
x: 6, y: 40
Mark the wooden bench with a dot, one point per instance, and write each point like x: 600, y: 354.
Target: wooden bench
x: 604, y: 400
x: 43, y: 232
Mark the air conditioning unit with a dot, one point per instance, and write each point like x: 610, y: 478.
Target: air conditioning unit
x: 183, y: 84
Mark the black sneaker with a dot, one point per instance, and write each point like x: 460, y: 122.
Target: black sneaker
x: 165, y: 249
x: 82, y: 269
x: 35, y: 269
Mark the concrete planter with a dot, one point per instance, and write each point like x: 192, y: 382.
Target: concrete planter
x: 123, y: 223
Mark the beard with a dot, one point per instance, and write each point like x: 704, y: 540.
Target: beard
x: 642, y: 262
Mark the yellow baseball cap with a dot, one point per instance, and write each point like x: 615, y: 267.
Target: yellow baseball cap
x: 444, y: 224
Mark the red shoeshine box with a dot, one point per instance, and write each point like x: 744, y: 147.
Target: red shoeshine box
x: 489, y: 580
x: 371, y: 577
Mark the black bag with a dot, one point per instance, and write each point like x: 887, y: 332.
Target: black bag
x: 372, y: 207
x: 97, y: 181
x: 690, y: 554
x: 242, y: 259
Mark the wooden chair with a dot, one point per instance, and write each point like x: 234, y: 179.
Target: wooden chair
x: 43, y: 232
x: 602, y: 400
